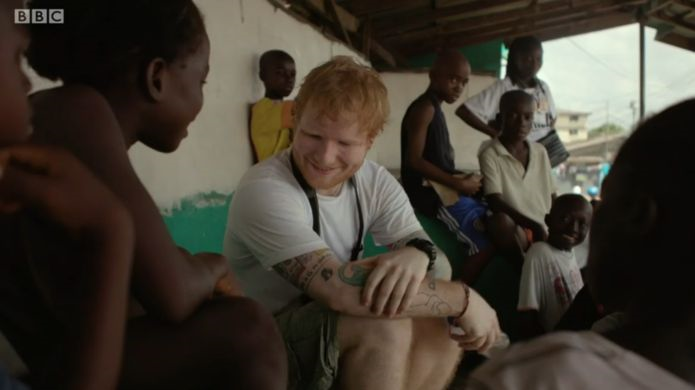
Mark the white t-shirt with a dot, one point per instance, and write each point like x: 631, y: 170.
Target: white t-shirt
x: 550, y: 279
x: 528, y: 189
x: 569, y: 361
x: 270, y: 221
x: 486, y: 104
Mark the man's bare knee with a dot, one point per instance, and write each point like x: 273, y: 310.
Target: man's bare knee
x: 354, y: 332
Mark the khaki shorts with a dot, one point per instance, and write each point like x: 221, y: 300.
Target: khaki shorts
x: 310, y: 332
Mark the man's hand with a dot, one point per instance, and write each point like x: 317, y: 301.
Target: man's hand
x: 395, y: 280
x: 469, y: 184
x: 479, y: 324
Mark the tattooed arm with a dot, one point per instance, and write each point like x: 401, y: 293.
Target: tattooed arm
x: 339, y: 286
x: 441, y: 269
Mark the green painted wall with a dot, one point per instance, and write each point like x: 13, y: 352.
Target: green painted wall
x: 198, y: 222
x: 484, y: 58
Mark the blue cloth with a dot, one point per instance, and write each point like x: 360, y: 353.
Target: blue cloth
x: 8, y: 383
x: 466, y: 218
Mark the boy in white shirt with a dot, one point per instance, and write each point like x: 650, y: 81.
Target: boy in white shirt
x: 550, y: 277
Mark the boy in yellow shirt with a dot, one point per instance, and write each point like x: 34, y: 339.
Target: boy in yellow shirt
x: 271, y: 117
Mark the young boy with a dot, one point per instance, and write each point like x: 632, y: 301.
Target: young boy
x: 518, y: 184
x: 428, y: 172
x: 271, y: 117
x: 550, y: 277
x: 38, y: 183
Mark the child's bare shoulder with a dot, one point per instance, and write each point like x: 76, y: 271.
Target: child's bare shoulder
x: 70, y: 97
x: 72, y: 110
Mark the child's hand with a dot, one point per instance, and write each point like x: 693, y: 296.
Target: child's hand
x: 223, y: 282
x: 53, y: 182
x: 228, y: 286
x: 470, y: 184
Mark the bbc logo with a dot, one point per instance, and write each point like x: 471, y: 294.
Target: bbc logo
x: 39, y: 16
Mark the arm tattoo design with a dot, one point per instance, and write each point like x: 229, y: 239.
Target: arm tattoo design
x: 432, y: 302
x: 436, y: 305
x: 326, y: 273
x: 358, y: 277
x: 301, y: 270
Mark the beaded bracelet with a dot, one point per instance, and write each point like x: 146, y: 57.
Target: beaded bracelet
x: 467, y: 292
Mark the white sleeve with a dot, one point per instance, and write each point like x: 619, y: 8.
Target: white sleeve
x: 393, y: 216
x: 531, y: 283
x: 489, y: 167
x: 270, y: 218
x: 486, y: 103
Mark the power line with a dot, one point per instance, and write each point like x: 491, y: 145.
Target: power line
x: 600, y: 61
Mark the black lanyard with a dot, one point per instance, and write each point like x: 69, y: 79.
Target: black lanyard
x: 314, y: 202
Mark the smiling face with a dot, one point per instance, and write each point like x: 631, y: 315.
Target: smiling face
x: 328, y: 151
x: 568, y: 221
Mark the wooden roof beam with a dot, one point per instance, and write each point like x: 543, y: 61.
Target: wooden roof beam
x: 395, y: 24
x: 539, y: 15
x: 349, y: 26
x: 555, y: 30
x: 679, y: 23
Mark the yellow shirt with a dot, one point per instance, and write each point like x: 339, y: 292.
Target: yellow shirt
x: 271, y: 121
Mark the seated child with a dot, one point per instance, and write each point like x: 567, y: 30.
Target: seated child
x: 641, y: 263
x: 38, y: 182
x: 429, y: 177
x: 132, y: 72
x: 271, y: 117
x: 518, y: 184
x: 550, y: 277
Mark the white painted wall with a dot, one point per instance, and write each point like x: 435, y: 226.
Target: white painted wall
x: 217, y: 153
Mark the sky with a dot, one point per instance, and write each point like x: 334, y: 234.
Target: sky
x: 599, y: 73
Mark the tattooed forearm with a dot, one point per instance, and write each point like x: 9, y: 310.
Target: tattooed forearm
x: 356, y: 276
x: 301, y: 270
x: 326, y: 274
x: 431, y: 302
